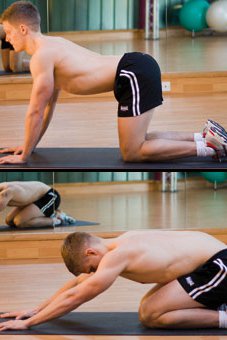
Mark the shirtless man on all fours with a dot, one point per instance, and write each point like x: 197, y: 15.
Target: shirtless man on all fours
x: 135, y: 78
x: 190, y: 269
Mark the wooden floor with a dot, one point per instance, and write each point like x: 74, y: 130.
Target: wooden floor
x: 94, y: 122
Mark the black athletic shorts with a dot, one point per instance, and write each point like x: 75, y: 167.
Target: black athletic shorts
x: 49, y: 202
x: 138, y: 86
x: 208, y: 283
x: 6, y: 45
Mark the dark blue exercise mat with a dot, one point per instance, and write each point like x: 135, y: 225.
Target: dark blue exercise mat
x: 85, y: 323
x: 107, y: 158
x: 78, y: 223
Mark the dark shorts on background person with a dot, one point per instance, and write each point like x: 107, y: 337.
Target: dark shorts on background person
x: 6, y: 45
x: 208, y: 283
x: 138, y: 86
x: 49, y: 202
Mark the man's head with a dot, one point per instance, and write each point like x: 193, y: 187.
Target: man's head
x: 82, y: 252
x: 18, y: 20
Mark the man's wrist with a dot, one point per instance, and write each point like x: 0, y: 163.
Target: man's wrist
x: 24, y: 157
x: 28, y: 323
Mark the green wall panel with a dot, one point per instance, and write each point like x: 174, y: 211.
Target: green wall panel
x: 74, y: 177
x: 94, y: 15
x: 121, y: 14
x: 69, y: 15
x: 81, y: 15
x: 108, y: 15
x: 46, y: 177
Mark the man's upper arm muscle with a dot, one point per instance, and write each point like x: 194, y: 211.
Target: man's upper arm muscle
x: 42, y: 69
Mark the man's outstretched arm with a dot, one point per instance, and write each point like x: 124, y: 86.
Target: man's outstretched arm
x: 40, y: 110
x: 24, y: 314
x: 110, y: 268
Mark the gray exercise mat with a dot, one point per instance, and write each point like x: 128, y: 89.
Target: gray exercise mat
x: 78, y: 223
x: 85, y: 323
x: 107, y: 158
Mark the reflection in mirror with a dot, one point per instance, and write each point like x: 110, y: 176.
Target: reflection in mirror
x: 120, y: 201
x: 27, y: 200
x: 113, y: 201
x: 109, y: 202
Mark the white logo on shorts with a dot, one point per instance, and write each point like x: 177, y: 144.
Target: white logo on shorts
x: 124, y: 108
x: 189, y: 281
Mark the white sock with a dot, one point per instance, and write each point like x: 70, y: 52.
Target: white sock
x: 56, y: 221
x: 203, y: 150
x: 198, y: 137
x: 222, y: 319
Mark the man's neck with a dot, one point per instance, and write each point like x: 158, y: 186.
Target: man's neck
x: 33, y: 43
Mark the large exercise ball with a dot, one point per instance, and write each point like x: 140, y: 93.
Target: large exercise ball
x: 216, y: 16
x: 215, y: 177
x: 193, y: 15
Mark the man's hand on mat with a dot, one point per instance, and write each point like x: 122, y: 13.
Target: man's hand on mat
x: 14, y: 159
x: 19, y: 315
x: 13, y: 324
x: 15, y: 150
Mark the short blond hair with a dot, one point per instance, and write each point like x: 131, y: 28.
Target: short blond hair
x: 23, y: 12
x: 72, y: 251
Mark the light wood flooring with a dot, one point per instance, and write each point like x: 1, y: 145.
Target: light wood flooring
x: 93, y: 123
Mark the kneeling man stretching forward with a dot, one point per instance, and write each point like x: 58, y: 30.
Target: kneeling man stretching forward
x: 190, y: 269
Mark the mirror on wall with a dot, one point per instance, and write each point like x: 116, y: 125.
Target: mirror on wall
x: 116, y: 201
x: 120, y: 201
x: 191, y: 33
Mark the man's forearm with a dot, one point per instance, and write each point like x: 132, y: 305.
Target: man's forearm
x: 61, y: 305
x: 65, y: 302
x: 48, y: 114
x: 70, y: 284
x: 33, y: 127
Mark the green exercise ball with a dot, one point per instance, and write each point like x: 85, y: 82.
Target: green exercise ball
x: 215, y: 177
x: 193, y: 15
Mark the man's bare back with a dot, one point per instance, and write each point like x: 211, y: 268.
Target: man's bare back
x: 76, y: 69
x: 162, y: 256
x: 19, y: 194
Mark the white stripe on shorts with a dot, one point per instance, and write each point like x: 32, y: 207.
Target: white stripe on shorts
x: 135, y: 91
x: 220, y: 276
x: 51, y: 202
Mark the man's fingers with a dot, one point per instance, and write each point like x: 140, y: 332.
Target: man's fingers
x: 8, y: 315
x: 6, y: 150
x: 17, y: 152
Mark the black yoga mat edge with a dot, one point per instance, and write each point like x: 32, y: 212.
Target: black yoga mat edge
x: 107, y: 323
x: 107, y: 158
x: 78, y: 223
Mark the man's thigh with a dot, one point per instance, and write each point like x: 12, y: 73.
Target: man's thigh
x: 170, y: 297
x: 132, y: 130
x: 29, y: 212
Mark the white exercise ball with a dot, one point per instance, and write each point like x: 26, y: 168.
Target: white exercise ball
x: 216, y: 16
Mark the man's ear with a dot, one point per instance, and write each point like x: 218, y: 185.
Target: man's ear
x: 23, y: 29
x: 90, y: 251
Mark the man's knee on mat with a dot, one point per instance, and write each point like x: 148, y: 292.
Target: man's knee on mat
x: 136, y: 154
x: 152, y: 318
